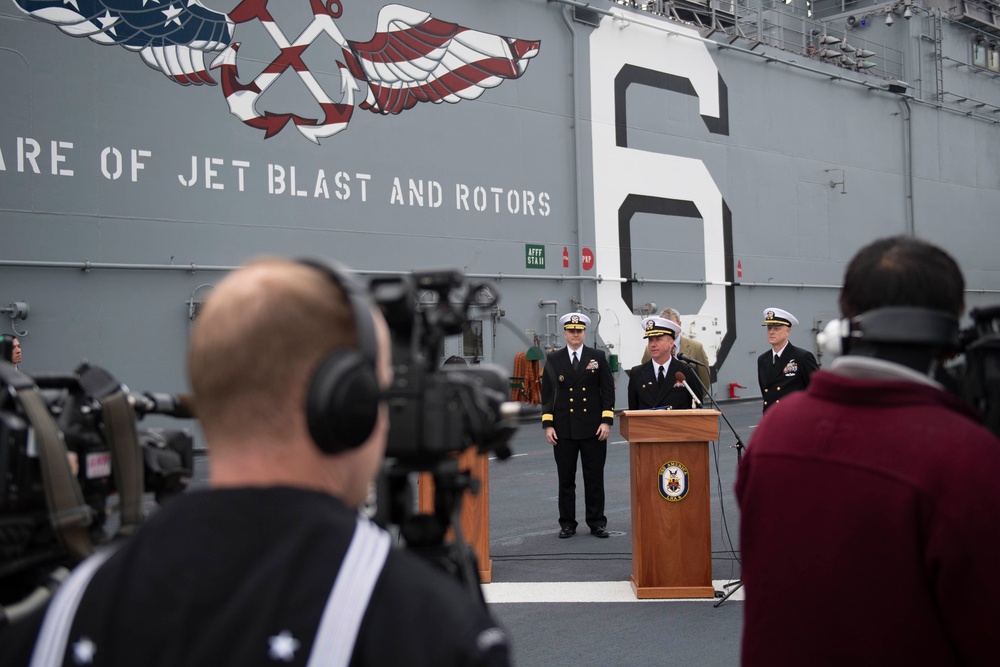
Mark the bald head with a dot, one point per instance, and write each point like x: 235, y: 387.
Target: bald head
x: 254, y: 349
x: 260, y: 335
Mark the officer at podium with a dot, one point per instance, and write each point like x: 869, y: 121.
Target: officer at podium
x: 662, y: 382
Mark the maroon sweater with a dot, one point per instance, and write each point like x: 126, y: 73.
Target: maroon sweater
x: 870, y: 529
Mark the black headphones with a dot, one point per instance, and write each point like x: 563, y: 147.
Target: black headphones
x: 898, y: 325
x: 343, y: 398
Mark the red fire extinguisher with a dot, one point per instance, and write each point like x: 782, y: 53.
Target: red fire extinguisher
x: 565, y: 257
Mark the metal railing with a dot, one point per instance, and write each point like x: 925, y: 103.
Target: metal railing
x: 782, y: 26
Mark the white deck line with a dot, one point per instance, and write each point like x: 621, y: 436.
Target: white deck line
x: 580, y: 591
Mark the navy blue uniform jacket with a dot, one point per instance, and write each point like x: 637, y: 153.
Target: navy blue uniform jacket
x: 577, y: 402
x: 645, y: 392
x: 789, y: 375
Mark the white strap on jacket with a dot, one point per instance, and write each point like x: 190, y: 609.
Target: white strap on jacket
x: 338, y: 627
x: 50, y: 647
x: 348, y: 601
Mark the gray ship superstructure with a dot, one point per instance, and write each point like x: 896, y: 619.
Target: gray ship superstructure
x: 613, y: 158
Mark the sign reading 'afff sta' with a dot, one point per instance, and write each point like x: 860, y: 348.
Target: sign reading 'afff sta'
x: 534, y: 256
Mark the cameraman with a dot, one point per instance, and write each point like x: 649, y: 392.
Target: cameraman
x: 869, y: 503
x: 253, y: 571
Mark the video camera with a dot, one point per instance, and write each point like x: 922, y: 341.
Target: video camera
x: 979, y: 373
x: 435, y: 410
x: 67, y: 443
x: 438, y: 411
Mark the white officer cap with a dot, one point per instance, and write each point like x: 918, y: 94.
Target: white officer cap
x: 574, y: 321
x: 658, y: 326
x: 779, y: 316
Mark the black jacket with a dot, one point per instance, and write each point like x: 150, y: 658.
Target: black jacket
x: 645, y: 392
x: 789, y: 375
x: 214, y: 577
x: 576, y: 403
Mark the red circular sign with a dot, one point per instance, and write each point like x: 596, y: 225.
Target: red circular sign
x: 587, y: 259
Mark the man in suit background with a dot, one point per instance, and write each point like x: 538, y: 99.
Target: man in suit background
x: 784, y: 368
x: 578, y: 408
x: 689, y: 347
x: 654, y: 383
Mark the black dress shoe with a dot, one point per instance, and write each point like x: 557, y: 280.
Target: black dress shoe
x: 600, y: 531
x: 567, y: 532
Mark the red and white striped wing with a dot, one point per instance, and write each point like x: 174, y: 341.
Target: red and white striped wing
x: 414, y: 57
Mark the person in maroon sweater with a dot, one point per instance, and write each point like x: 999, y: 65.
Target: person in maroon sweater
x: 870, y: 510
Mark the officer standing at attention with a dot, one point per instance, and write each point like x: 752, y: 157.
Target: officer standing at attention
x: 784, y: 368
x: 578, y: 401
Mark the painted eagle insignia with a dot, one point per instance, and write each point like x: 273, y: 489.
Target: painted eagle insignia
x: 412, y: 57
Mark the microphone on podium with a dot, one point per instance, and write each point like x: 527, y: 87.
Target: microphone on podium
x: 688, y: 360
x: 683, y: 380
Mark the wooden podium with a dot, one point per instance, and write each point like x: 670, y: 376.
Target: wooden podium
x: 671, y: 513
x: 475, y: 518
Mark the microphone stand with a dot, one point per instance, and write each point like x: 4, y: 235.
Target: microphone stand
x: 739, y: 443
x: 732, y: 586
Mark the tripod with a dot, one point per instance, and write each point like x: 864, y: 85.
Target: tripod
x: 734, y: 586
x: 427, y: 535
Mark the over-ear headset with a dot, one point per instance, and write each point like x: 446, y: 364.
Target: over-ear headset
x: 343, y: 397
x: 899, y: 325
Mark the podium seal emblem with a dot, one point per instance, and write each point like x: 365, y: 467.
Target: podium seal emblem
x: 673, y: 481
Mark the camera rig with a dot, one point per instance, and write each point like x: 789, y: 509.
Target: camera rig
x: 979, y: 376
x: 437, y: 411
x: 68, y: 443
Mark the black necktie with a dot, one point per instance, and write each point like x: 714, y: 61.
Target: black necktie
x: 576, y: 362
x: 660, y: 378
x: 774, y: 360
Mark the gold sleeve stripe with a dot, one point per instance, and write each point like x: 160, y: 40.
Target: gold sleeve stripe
x: 608, y: 414
x: 547, y: 417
